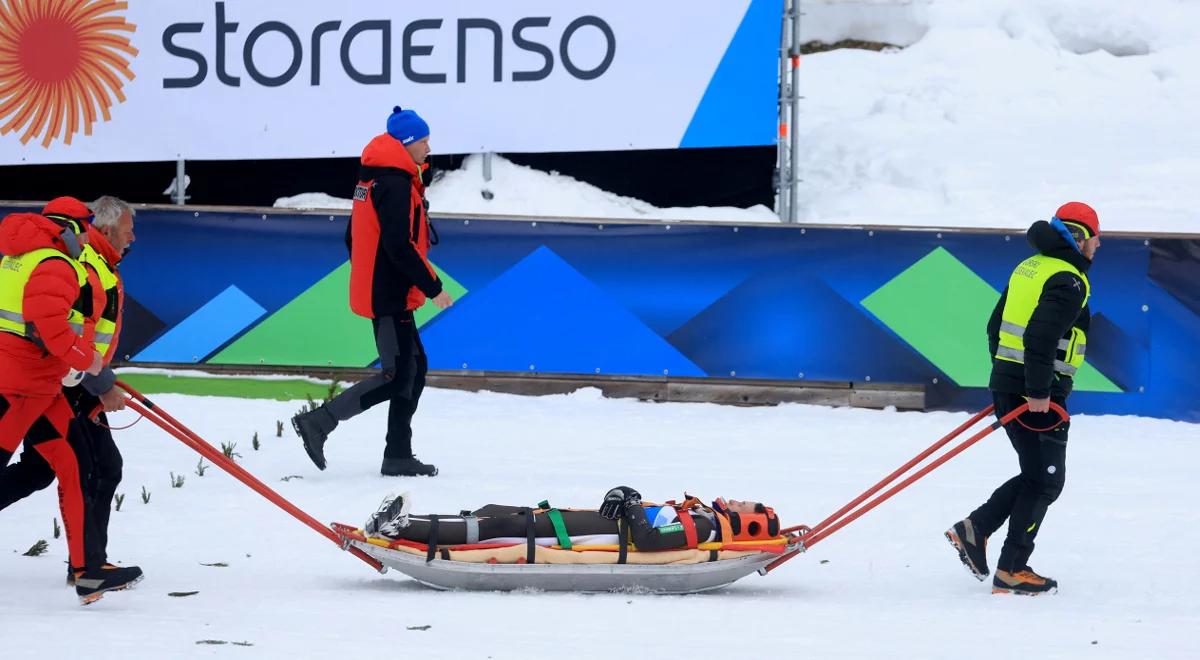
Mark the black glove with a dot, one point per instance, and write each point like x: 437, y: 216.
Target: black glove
x: 617, y: 500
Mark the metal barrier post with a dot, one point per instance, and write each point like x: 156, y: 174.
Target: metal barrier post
x: 180, y: 185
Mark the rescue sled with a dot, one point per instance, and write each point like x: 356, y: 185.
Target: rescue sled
x: 496, y: 567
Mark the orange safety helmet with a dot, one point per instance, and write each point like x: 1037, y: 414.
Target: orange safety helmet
x: 761, y: 525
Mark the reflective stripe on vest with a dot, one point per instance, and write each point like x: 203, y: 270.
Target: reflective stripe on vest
x: 14, y: 275
x: 106, y: 323
x: 1024, y: 291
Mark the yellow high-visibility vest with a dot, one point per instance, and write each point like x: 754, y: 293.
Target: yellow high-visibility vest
x: 106, y: 325
x: 1024, y: 290
x: 14, y: 276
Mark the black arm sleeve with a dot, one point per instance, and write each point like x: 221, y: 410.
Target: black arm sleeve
x: 993, y: 326
x: 392, y: 197
x: 1056, y: 311
x: 647, y: 537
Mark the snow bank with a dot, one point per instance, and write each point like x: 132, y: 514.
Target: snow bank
x: 1001, y: 111
x: 520, y: 190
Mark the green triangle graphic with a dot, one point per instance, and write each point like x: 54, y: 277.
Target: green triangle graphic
x: 941, y: 307
x: 317, y: 328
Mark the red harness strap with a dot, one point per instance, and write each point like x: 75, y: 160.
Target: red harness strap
x: 689, y: 527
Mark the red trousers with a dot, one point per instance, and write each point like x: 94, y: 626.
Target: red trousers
x: 42, y: 422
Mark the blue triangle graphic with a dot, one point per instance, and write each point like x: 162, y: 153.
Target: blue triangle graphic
x: 542, y: 315
x: 739, y: 107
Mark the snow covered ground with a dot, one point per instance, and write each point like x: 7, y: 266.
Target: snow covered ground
x: 1121, y: 540
x: 993, y: 114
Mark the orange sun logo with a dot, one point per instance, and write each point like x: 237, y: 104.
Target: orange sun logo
x: 59, y: 61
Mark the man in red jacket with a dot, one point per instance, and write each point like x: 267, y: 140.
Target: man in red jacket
x: 45, y: 304
x: 109, y: 235
x: 390, y: 277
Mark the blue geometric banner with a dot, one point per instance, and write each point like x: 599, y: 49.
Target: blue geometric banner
x: 687, y: 300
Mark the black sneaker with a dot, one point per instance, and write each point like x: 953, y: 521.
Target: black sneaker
x: 91, y: 585
x: 71, y: 572
x: 407, y: 467
x: 1024, y: 582
x: 314, y: 428
x: 971, y: 546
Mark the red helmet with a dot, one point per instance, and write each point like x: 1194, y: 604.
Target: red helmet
x: 1081, y: 215
x: 67, y: 207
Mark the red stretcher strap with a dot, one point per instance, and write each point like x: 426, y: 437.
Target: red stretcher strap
x: 689, y: 527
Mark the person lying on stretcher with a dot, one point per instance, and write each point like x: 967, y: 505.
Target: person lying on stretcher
x: 650, y: 526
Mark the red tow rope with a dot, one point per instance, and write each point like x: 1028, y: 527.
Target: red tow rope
x: 152, y: 412
x: 809, y: 537
x: 94, y: 417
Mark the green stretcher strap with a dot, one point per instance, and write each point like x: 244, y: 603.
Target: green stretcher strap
x: 556, y: 520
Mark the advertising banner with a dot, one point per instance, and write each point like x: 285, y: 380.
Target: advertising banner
x: 151, y: 80
x: 772, y: 302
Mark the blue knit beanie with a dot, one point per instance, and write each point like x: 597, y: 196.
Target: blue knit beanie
x: 406, y: 126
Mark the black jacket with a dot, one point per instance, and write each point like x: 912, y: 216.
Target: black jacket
x: 1057, y: 311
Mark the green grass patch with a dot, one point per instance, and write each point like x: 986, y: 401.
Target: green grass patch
x: 242, y: 388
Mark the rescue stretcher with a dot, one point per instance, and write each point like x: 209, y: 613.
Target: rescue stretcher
x: 507, y: 567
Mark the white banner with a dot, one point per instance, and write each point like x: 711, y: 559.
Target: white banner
x: 207, y: 80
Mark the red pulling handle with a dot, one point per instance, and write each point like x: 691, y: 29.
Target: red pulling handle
x: 848, y: 514
x: 152, y: 412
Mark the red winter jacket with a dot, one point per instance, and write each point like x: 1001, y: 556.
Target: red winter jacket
x: 52, y: 290
x: 388, y: 234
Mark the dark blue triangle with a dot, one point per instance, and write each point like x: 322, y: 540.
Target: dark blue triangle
x: 783, y: 323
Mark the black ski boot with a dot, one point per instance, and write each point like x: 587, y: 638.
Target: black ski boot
x: 391, y: 517
x: 971, y: 546
x: 314, y: 428
x: 92, y: 584
x: 407, y: 467
x: 1024, y: 582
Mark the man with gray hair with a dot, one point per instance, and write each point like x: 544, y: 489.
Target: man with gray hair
x: 110, y: 235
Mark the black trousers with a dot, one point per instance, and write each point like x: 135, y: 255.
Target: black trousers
x: 497, y: 521
x: 1024, y: 499
x: 400, y: 382
x: 100, y: 466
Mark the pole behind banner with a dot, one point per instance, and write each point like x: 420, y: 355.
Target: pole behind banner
x: 783, y: 167
x: 794, y: 150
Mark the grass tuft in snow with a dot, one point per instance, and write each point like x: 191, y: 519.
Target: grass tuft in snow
x: 37, y: 549
x: 228, y: 448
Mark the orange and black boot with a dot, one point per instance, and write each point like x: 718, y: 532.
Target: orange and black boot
x: 1024, y: 582
x: 71, y: 572
x: 971, y: 546
x: 92, y: 584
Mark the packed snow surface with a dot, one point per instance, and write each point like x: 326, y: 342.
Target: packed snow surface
x: 1120, y: 540
x: 991, y: 115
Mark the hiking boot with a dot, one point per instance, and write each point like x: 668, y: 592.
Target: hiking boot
x: 407, y: 467
x: 314, y: 428
x: 91, y: 585
x: 971, y: 546
x: 1024, y: 582
x: 71, y: 572
x: 391, y: 517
